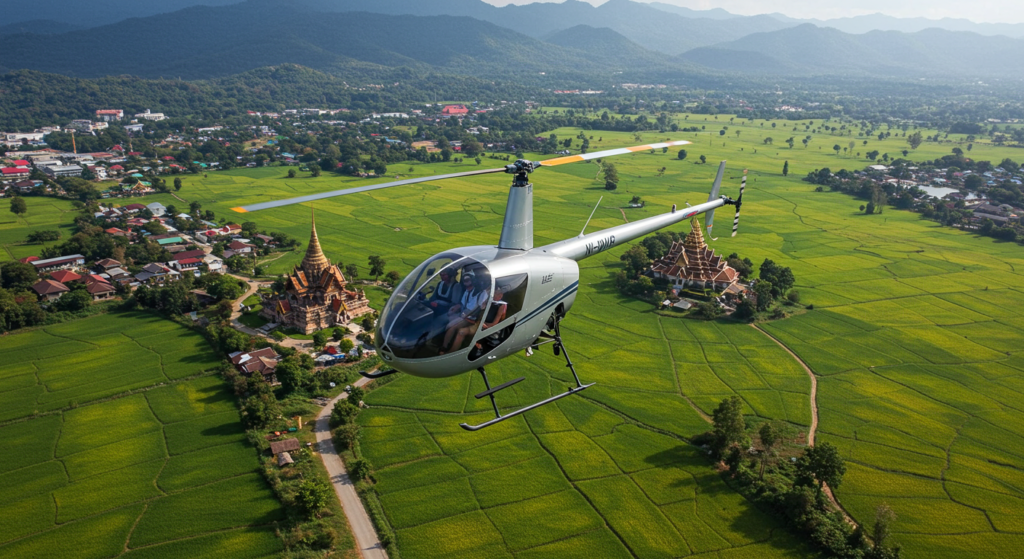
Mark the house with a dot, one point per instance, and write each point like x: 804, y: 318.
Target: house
x: 65, y: 276
x: 26, y: 186
x: 157, y: 209
x: 118, y: 274
x: 156, y: 273
x: 239, y: 247
x: 132, y: 208
x: 286, y: 445
x: 107, y: 264
x: 15, y: 172
x: 49, y: 289
x: 187, y: 264
x: 169, y: 241
x: 109, y: 115
x: 262, y: 361
x: 197, y: 253
x: 59, y: 263
x: 213, y: 263
x: 63, y: 171
x: 147, y: 115
x: 100, y: 290
x: 450, y: 110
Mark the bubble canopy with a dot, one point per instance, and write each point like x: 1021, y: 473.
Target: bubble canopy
x: 430, y: 301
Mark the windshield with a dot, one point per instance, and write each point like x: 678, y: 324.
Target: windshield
x: 437, y: 308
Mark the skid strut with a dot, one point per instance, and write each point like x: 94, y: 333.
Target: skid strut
x: 559, y: 348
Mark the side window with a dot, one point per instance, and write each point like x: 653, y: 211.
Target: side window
x: 513, y: 295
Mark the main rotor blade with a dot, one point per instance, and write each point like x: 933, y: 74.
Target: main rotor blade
x: 358, y: 189
x: 609, y: 152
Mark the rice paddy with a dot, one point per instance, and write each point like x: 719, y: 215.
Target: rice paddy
x: 94, y: 470
x: 915, y: 338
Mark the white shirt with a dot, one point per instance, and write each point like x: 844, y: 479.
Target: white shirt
x: 472, y: 300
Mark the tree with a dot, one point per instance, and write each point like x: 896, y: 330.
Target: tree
x: 770, y: 438
x: 18, y: 206
x: 352, y: 271
x: 785, y: 169
x: 338, y: 334
x: 781, y: 277
x: 313, y: 496
x: 681, y: 155
x: 393, y: 277
x: 314, y: 170
x: 703, y: 159
x: 345, y: 345
x: 763, y: 290
x: 611, y: 174
x: 291, y: 173
x: 880, y: 532
x: 194, y: 207
x: 822, y: 464
x: 260, y: 409
x: 177, y: 183
x: 359, y: 469
x: 347, y: 435
x: 376, y: 266
x: 292, y: 374
x: 637, y: 261
x: 708, y: 310
x: 76, y: 300
x: 356, y: 395
x: 836, y: 148
x: 17, y: 276
x: 319, y: 340
x: 729, y: 427
x: 224, y: 287
x: 914, y: 140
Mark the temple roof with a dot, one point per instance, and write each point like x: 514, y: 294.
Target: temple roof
x: 314, y: 262
x: 691, y: 259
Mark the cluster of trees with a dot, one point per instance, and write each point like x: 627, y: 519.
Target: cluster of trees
x: 793, y: 489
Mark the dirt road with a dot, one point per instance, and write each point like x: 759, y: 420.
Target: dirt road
x: 367, y: 543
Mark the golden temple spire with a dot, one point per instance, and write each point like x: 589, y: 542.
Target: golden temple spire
x: 314, y: 262
x: 695, y: 240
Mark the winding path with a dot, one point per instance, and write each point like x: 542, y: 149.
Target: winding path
x: 814, y: 417
x: 367, y: 543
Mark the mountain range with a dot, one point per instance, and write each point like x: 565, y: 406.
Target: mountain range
x: 571, y: 43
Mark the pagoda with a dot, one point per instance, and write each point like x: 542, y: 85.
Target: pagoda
x: 690, y: 263
x: 315, y: 295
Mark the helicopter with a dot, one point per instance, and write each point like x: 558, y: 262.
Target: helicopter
x: 467, y: 307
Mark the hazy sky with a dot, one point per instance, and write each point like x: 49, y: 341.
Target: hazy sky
x: 996, y: 11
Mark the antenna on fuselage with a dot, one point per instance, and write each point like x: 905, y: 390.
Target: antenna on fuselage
x: 591, y: 216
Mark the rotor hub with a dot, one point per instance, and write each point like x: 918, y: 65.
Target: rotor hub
x: 521, y: 169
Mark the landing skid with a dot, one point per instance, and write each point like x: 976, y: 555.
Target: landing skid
x: 378, y: 375
x: 559, y: 347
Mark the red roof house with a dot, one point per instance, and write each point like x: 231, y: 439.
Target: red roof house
x: 65, y: 276
x: 454, y: 110
x: 49, y: 289
x: 20, y: 163
x: 28, y: 259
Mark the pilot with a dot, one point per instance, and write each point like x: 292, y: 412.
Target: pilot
x: 447, y: 293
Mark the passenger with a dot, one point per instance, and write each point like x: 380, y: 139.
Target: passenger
x: 473, y: 297
x: 447, y: 293
x: 495, y: 314
x: 467, y: 313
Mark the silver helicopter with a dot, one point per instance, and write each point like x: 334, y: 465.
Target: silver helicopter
x: 465, y: 308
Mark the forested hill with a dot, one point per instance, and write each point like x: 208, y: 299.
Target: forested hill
x: 810, y: 50
x: 209, y: 42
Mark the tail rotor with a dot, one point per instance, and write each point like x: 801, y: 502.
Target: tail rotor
x: 739, y: 202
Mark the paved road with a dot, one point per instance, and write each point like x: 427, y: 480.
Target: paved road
x: 367, y: 543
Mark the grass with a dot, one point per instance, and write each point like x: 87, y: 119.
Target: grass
x: 164, y: 472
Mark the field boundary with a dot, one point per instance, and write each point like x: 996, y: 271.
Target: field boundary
x: 814, y: 419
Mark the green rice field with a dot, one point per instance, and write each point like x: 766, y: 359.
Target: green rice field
x: 915, y: 338
x: 93, y: 469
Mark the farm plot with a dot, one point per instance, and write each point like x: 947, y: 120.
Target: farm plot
x: 161, y: 473
x: 893, y: 285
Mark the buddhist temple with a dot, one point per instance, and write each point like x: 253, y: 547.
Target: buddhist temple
x: 690, y: 263
x: 315, y: 295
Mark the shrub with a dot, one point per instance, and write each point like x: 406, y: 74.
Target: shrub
x: 359, y: 469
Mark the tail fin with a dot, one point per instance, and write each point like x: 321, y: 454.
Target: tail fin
x: 710, y: 219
